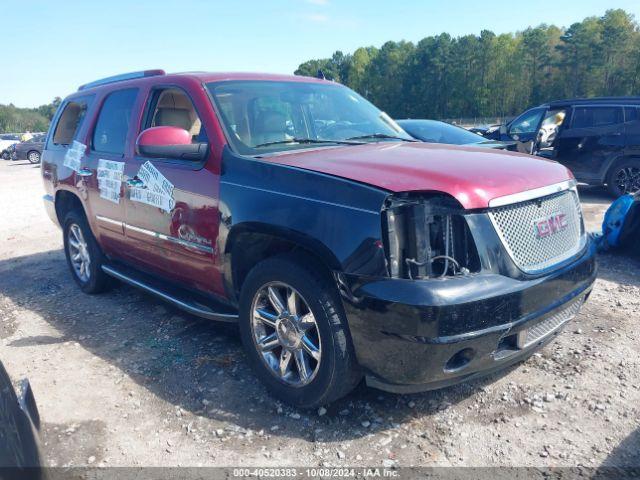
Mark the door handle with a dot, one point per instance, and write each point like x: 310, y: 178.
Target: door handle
x: 84, y: 172
x: 134, y: 182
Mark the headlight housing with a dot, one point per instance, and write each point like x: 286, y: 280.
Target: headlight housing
x: 427, y: 237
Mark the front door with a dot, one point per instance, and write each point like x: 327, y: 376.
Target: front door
x: 171, y: 206
x: 524, y: 129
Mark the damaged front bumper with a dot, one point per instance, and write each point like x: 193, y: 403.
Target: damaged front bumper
x: 412, y: 336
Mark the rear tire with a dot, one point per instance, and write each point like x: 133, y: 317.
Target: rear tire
x: 624, y: 177
x: 84, y: 257
x: 308, y: 360
x: 33, y: 156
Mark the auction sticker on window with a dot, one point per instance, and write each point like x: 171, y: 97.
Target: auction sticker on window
x: 74, y: 155
x: 110, y: 179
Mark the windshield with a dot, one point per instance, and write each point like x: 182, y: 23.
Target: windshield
x: 264, y: 116
x: 433, y: 131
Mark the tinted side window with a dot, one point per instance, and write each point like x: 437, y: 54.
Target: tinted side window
x: 110, y: 133
x: 70, y: 121
x: 590, y: 117
x: 631, y: 114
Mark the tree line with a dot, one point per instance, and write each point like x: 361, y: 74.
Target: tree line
x: 491, y: 75
x: 17, y: 120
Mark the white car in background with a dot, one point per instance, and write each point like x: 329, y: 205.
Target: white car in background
x: 6, y: 141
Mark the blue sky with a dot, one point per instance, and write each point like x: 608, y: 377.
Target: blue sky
x: 51, y: 47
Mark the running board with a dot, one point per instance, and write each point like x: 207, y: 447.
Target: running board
x: 174, y: 296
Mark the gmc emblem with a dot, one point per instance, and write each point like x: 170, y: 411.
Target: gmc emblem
x: 545, y: 227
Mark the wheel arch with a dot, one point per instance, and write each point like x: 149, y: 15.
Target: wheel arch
x: 249, y: 243
x: 613, y: 164
x: 65, y: 201
x: 617, y: 160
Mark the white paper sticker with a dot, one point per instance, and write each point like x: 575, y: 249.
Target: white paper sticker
x: 110, y: 169
x: 110, y: 179
x: 154, y: 180
x: 148, y: 197
x: 158, y: 191
x: 111, y: 195
x: 74, y: 155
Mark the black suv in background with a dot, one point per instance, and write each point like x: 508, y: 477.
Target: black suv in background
x: 598, y: 139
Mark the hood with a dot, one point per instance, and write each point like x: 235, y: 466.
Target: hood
x: 472, y: 175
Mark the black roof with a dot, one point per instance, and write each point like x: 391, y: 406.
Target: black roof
x: 596, y: 101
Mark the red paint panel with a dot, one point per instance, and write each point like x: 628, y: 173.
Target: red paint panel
x: 474, y: 176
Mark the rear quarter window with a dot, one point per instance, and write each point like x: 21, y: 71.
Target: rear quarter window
x: 70, y: 121
x: 594, y: 117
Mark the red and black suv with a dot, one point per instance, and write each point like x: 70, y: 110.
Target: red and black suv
x: 343, y: 248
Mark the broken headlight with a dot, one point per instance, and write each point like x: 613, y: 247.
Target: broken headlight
x: 428, y: 237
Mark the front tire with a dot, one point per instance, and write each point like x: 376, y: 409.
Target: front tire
x: 295, y: 333
x: 84, y: 257
x: 624, y: 178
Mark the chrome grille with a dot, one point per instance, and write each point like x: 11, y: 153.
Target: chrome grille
x: 516, y: 226
x: 549, y: 325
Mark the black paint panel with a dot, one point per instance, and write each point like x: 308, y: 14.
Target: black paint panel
x: 405, y: 331
x: 338, y: 219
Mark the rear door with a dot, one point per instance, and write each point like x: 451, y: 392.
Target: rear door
x: 632, y: 130
x: 101, y: 168
x: 172, y: 204
x: 594, y: 138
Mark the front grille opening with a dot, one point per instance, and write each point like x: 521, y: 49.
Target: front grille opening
x: 541, y: 233
x: 553, y: 323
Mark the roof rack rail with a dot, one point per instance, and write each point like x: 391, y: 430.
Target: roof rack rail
x: 122, y: 77
x: 621, y: 99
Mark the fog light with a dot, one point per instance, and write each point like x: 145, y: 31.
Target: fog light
x: 460, y: 360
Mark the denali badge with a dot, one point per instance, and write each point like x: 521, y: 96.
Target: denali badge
x: 545, y: 227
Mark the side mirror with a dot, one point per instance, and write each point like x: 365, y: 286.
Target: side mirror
x: 169, y: 142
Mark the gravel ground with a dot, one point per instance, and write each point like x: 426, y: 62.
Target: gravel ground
x: 124, y: 379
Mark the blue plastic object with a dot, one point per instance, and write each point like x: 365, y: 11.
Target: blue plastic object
x: 614, y: 220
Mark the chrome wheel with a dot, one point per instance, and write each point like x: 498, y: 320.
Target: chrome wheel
x: 628, y: 180
x: 285, y: 333
x: 79, y: 253
x: 33, y: 157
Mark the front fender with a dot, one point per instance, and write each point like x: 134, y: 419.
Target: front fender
x: 337, y: 219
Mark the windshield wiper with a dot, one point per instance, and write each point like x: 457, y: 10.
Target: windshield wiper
x: 306, y: 140
x: 381, y: 135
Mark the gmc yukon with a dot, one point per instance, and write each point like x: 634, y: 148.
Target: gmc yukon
x: 344, y: 249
